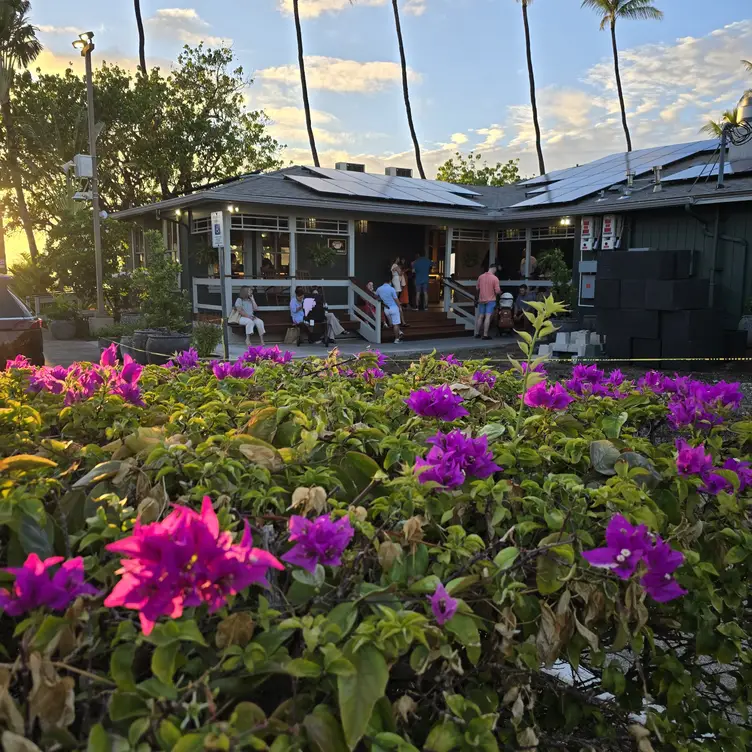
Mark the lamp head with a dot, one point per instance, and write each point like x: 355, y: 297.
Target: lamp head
x: 744, y: 109
x: 84, y: 43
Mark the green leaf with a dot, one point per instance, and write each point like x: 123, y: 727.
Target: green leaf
x: 125, y: 705
x: 458, y: 584
x: 190, y: 743
x: 426, y: 585
x: 99, y: 740
x: 553, y: 564
x: 465, y: 629
x: 48, y: 631
x: 33, y: 538
x: 157, y: 689
x: 246, y: 716
x: 612, y: 424
x: 358, y: 693
x: 303, y: 669
x: 25, y: 462
x: 324, y: 731
x: 443, y: 737
x: 163, y: 662
x: 168, y: 735
x: 121, y: 666
x: 736, y: 555
x: 102, y: 471
x: 603, y: 456
x: 506, y: 557
x: 344, y: 615
x: 137, y: 729
x: 359, y: 469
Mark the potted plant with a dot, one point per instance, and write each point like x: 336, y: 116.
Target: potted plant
x: 61, y: 318
x: 745, y: 322
x: 116, y: 333
x: 322, y: 254
x: 553, y: 266
x: 206, y: 337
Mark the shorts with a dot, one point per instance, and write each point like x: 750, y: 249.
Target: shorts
x: 421, y: 287
x: 485, y: 309
x: 394, y: 315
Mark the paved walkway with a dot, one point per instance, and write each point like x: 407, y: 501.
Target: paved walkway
x: 65, y: 352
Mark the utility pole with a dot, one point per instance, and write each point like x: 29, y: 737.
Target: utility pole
x: 86, y: 46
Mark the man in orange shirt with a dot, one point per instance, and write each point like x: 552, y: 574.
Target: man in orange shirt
x: 488, y: 290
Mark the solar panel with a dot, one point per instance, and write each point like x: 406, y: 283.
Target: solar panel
x: 320, y: 185
x: 578, y: 182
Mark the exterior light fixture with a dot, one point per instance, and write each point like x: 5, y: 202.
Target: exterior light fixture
x: 565, y: 221
x: 178, y: 212
x: 84, y: 43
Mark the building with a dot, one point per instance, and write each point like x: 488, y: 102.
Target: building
x: 280, y: 224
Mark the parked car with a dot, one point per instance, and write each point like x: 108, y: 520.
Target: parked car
x: 20, y: 329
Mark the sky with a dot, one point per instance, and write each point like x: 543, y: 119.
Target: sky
x: 468, y: 76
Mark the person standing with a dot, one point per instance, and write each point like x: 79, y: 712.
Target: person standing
x: 422, y: 268
x: 246, y: 306
x: 488, y: 290
x: 388, y: 296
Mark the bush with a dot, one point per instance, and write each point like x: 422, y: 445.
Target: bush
x: 62, y: 310
x: 408, y: 615
x: 552, y: 265
x: 206, y: 337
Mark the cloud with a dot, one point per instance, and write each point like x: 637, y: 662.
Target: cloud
x: 184, y: 25
x: 288, y: 125
x: 458, y: 139
x: 494, y: 134
x: 314, y: 8
x: 414, y: 7
x: 336, y: 74
x: 69, y: 30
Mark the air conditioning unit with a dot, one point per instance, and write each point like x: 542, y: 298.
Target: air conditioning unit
x: 350, y: 167
x: 398, y: 172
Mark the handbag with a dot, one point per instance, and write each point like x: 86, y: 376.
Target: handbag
x: 291, y: 335
x: 234, y: 317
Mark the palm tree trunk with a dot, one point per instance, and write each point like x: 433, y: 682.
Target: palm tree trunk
x: 141, y: 37
x: 406, y: 92
x: 618, y: 86
x: 16, y: 179
x: 303, y: 84
x: 531, y: 76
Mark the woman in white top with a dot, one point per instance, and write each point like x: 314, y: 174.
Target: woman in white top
x: 397, y: 276
x: 246, y: 306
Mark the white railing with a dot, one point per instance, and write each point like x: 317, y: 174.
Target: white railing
x: 456, y: 300
x: 370, y: 326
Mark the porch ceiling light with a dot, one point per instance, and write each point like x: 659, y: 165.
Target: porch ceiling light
x: 565, y: 221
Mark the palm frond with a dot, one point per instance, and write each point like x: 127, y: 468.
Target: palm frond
x: 638, y: 10
x: 712, y: 128
x: 747, y: 64
x: 605, y: 8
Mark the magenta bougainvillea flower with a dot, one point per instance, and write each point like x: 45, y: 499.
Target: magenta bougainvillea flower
x: 255, y: 353
x: 20, y: 361
x: 485, y: 377
x: 453, y: 457
x: 437, y: 402
x: 627, y: 546
x: 109, y: 358
x: 743, y: 470
x: 373, y: 374
x: 236, y: 370
x: 36, y: 586
x: 320, y: 541
x: 444, y: 607
x: 451, y: 360
x: 714, y: 483
x: 380, y: 357
x: 186, y: 360
x: 538, y: 369
x: 662, y: 561
x: 184, y: 561
x: 653, y: 381
x: 551, y: 398
x: 692, y: 460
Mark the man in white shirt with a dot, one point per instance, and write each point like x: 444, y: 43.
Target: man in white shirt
x: 388, y: 296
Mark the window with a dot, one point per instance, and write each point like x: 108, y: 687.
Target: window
x: 249, y: 222
x: 511, y: 235
x: 201, y: 225
x: 361, y: 226
x: 315, y: 226
x: 172, y: 239
x: 275, y: 247
x: 477, y: 236
x: 555, y: 231
x: 137, y: 247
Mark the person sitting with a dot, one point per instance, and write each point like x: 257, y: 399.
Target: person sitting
x: 388, y: 296
x: 520, y: 306
x: 297, y: 314
x: 320, y: 316
x: 246, y: 306
x: 532, y: 272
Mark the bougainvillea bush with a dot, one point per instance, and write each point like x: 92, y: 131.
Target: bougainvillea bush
x: 316, y: 555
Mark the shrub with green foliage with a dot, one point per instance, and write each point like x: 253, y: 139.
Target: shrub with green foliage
x: 206, y: 336
x: 407, y: 616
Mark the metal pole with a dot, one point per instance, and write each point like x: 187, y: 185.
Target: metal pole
x: 94, y: 182
x: 223, y: 303
x: 722, y: 156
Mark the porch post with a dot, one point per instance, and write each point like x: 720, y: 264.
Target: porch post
x: 528, y: 250
x: 292, y: 227
x: 448, y: 267
x: 227, y: 255
x: 350, y: 262
x: 494, y: 233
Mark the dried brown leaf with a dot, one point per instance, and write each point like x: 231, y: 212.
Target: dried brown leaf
x: 308, y: 500
x: 405, y: 707
x: 16, y: 743
x: 236, y: 629
x: 9, y: 713
x: 389, y: 552
x: 265, y: 457
x: 52, y: 698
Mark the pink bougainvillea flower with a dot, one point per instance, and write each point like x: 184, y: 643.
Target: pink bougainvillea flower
x: 109, y: 358
x: 714, y: 483
x: 320, y: 541
x: 255, y: 353
x: 453, y: 456
x: 373, y: 374
x: 692, y: 460
x: 35, y: 588
x: 131, y: 371
x: 451, y: 360
x: 625, y: 545
x: 236, y: 370
x: 662, y: 561
x: 380, y: 357
x: 437, y: 402
x: 485, y: 377
x: 130, y: 393
x: 186, y: 360
x: 742, y: 469
x: 444, y: 607
x: 551, y: 398
x: 184, y: 561
x: 20, y: 361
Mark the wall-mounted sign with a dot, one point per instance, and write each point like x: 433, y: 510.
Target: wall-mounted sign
x: 217, y: 230
x: 611, y: 237
x: 338, y: 245
x: 587, y: 234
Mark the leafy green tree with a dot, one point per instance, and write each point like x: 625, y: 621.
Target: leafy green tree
x: 470, y: 170
x: 19, y: 47
x: 161, y: 135
x: 715, y: 127
x: 611, y: 11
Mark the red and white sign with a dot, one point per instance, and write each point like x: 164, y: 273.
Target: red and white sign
x: 608, y: 236
x: 587, y: 234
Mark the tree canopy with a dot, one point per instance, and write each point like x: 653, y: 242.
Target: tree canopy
x: 159, y: 135
x: 470, y: 170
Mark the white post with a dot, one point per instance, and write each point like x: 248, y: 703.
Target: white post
x: 293, y: 270
x: 350, y: 263
x: 528, y: 250
x: 448, y: 267
x: 227, y: 222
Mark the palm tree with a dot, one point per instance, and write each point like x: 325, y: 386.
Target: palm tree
x: 747, y: 64
x: 610, y: 11
x: 303, y: 84
x: 19, y: 47
x: 141, y: 37
x: 715, y: 127
x: 531, y: 76
x: 405, y: 91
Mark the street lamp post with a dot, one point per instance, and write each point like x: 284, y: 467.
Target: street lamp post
x: 85, y: 45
